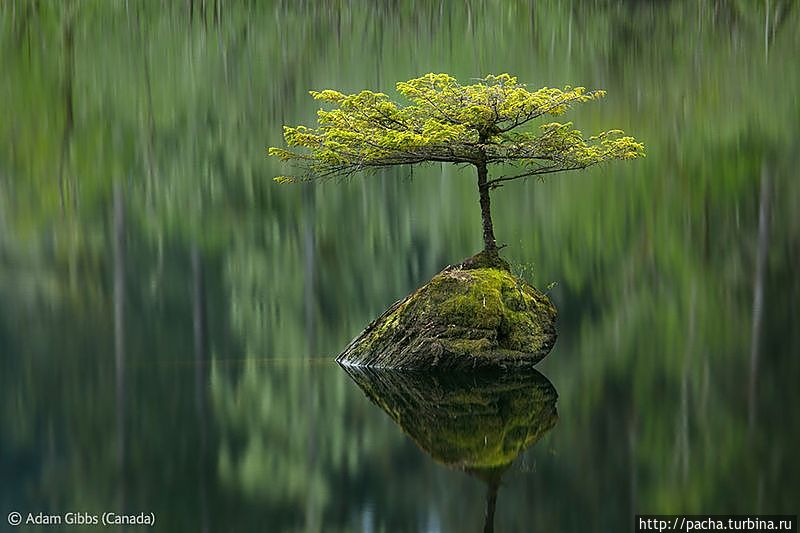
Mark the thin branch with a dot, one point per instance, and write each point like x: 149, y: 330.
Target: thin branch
x: 540, y: 110
x: 445, y: 115
x: 495, y: 183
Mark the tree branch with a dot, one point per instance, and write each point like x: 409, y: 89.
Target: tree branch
x: 498, y: 182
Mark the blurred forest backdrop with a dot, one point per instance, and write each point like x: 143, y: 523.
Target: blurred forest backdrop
x: 167, y: 313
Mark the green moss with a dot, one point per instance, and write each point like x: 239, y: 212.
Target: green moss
x: 487, y: 316
x: 494, y: 300
x: 468, y: 346
x: 486, y: 259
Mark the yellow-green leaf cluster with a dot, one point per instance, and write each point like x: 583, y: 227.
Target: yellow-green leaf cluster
x: 449, y: 122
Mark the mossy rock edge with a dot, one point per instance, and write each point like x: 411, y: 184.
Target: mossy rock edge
x: 467, y: 317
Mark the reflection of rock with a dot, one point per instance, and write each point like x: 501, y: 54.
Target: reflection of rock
x: 475, y: 422
x: 469, y: 316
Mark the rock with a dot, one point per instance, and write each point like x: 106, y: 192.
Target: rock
x: 469, y: 316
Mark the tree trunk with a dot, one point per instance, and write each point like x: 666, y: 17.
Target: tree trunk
x: 491, y: 503
x: 120, y: 273
x: 200, y: 329
x: 69, y: 108
x: 762, y: 253
x: 489, y: 244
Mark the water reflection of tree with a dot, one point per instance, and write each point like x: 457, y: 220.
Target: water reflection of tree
x: 475, y: 423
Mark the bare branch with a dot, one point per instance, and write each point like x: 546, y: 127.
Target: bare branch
x: 499, y: 182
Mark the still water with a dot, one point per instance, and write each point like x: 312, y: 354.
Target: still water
x: 169, y: 316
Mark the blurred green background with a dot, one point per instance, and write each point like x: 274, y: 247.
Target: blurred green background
x: 169, y: 315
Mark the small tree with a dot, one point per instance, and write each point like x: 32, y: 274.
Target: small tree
x: 452, y: 123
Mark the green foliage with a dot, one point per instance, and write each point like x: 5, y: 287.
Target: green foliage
x: 453, y: 123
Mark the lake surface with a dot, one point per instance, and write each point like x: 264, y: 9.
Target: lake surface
x: 169, y: 316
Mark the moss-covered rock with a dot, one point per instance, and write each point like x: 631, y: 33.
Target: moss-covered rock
x: 468, y: 316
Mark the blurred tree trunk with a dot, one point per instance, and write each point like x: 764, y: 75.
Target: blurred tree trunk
x: 758, y: 292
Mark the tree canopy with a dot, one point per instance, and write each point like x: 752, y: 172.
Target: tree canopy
x: 450, y: 122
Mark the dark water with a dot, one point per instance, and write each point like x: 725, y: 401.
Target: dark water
x: 169, y: 316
